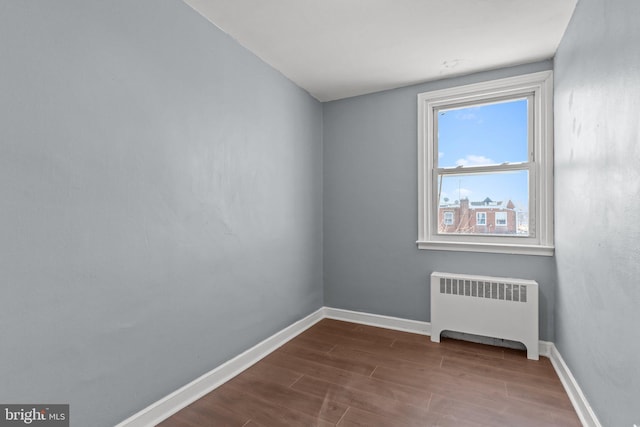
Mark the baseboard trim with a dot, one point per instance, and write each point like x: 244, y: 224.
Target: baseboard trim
x: 587, y: 417
x: 184, y: 396
x: 399, y: 324
x: 388, y: 322
x: 544, y: 348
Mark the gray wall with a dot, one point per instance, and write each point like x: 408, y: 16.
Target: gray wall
x: 371, y: 262
x: 597, y: 111
x: 161, y: 202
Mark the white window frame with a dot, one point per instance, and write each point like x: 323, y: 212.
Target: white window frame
x: 537, y: 86
x: 451, y: 214
x: 504, y: 216
x: 482, y: 215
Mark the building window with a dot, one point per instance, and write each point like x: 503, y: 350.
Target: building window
x: 448, y: 218
x: 487, y: 146
x: 481, y: 218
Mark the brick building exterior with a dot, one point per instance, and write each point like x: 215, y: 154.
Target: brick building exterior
x: 485, y: 217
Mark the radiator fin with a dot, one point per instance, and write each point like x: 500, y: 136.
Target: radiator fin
x: 484, y: 289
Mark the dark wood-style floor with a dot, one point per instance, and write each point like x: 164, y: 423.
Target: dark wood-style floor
x: 345, y: 374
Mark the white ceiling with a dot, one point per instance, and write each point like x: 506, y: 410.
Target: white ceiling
x: 340, y: 48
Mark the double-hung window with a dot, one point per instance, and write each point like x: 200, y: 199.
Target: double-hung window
x: 501, y: 219
x: 448, y: 218
x: 485, y: 162
x: 481, y: 218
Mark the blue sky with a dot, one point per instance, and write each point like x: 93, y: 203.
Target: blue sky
x: 484, y: 135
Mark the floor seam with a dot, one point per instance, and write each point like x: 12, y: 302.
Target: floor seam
x: 297, y: 379
x: 371, y: 374
x: 343, y: 415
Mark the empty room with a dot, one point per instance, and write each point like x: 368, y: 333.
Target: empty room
x: 337, y: 213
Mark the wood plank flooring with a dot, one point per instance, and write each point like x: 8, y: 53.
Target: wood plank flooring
x: 345, y: 374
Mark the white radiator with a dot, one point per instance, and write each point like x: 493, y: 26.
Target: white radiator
x: 489, y: 306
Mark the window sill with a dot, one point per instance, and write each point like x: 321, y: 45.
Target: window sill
x: 487, y: 248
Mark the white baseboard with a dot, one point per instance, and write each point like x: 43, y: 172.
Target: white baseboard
x: 388, y: 322
x: 579, y: 401
x: 167, y: 406
x: 399, y: 324
x: 544, y: 348
x: 184, y: 396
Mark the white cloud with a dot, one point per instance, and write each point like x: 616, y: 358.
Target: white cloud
x: 456, y: 194
x: 469, y: 114
x: 465, y: 192
x: 473, y: 160
x: 440, y: 154
x: 466, y: 116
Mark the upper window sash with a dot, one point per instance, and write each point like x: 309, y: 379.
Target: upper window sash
x: 458, y: 105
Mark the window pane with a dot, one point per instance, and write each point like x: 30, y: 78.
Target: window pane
x: 492, y: 203
x: 448, y: 217
x: 481, y: 218
x: 483, y: 134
